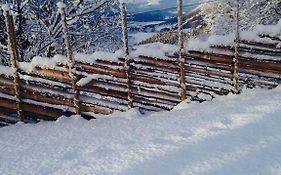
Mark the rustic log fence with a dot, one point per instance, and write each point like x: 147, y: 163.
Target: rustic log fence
x: 104, y: 85
x: 47, y: 92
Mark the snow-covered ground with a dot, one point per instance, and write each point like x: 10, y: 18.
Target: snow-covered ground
x: 233, y: 135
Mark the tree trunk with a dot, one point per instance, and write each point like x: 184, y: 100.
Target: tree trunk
x: 236, y: 58
x: 12, y: 44
x: 127, y: 57
x: 71, y: 68
x: 181, y: 50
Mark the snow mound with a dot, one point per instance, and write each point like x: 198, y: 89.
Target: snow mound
x: 156, y: 50
x: 234, y: 135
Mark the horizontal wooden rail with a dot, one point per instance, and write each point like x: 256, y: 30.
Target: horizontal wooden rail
x: 46, y: 93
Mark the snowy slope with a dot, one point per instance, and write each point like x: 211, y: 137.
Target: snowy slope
x: 233, y: 135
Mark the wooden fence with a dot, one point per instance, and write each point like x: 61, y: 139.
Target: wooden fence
x: 46, y: 92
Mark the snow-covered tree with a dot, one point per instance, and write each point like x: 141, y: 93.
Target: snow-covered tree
x: 219, y: 15
x: 17, y: 7
x: 4, y: 58
x: 93, y: 24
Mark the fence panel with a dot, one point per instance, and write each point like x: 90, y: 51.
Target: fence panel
x: 102, y: 82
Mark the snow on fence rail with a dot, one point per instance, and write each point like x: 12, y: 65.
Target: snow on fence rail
x: 102, y: 81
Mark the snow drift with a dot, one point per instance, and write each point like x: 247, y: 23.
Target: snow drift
x: 234, y: 135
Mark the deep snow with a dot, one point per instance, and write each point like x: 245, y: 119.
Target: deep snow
x: 233, y: 135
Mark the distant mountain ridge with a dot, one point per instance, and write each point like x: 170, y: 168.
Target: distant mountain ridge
x: 156, y: 15
x: 163, y: 4
x: 161, y: 25
x: 194, y: 21
x: 164, y: 20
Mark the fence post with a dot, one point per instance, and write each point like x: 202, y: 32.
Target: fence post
x: 12, y: 45
x: 71, y: 61
x: 237, y: 45
x: 127, y: 57
x: 181, y: 50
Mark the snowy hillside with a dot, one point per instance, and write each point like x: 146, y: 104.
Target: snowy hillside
x: 234, y: 135
x: 147, y: 20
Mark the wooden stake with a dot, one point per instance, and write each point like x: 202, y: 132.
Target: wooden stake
x: 127, y: 57
x: 12, y: 45
x: 71, y: 68
x: 181, y: 50
x: 237, y: 45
